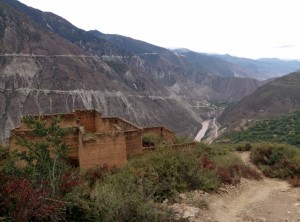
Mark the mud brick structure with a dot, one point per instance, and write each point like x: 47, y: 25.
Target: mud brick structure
x: 95, y: 141
x: 162, y: 132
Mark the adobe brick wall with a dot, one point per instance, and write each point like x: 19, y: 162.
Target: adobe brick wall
x: 113, y: 139
x: 72, y: 142
x: 14, y: 146
x: 153, y: 130
x: 67, y: 120
x: 125, y: 125
x: 162, y: 132
x: 106, y: 125
x: 133, y: 141
x: 87, y: 119
x: 99, y: 124
x: 168, y: 135
x: 105, y: 148
x: 15, y: 134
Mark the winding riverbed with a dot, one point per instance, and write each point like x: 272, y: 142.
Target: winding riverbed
x: 203, y: 130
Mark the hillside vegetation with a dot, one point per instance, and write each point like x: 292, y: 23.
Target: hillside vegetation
x: 274, y: 145
x: 277, y: 160
x: 144, y: 190
x: 134, y: 193
x: 48, y: 189
x: 279, y: 130
x: 277, y: 98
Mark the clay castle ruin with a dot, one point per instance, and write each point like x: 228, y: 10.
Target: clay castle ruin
x: 96, y: 141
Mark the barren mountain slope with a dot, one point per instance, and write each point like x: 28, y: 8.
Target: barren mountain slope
x: 48, y: 65
x: 41, y: 72
x: 151, y: 60
x: 276, y: 98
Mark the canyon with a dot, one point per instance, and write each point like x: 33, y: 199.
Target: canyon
x: 47, y: 65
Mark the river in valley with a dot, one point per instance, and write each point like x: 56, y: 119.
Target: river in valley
x: 203, y: 130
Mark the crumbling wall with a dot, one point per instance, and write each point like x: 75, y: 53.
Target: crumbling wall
x: 66, y: 120
x: 96, y: 141
x: 99, y: 125
x: 106, y: 124
x: 14, y: 135
x: 72, y: 142
x: 123, y: 124
x: 103, y: 149
x: 133, y: 142
x: 86, y: 119
x: 168, y: 135
x: 161, y: 132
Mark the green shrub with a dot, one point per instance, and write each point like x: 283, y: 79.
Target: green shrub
x: 46, y: 156
x: 97, y: 174
x: 132, y: 193
x: 182, y: 139
x: 135, y: 192
x: 229, y: 168
x: 151, y: 140
x: 294, y: 181
x: 243, y: 147
x: 119, y: 198
x: 167, y: 172
x: 195, y: 201
x: 35, y: 192
x: 277, y: 130
x: 203, y: 149
x: 4, y: 153
x: 276, y: 160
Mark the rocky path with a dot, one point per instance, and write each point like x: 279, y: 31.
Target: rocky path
x: 257, y: 201
x: 265, y: 200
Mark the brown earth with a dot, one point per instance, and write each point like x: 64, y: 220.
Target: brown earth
x: 269, y: 200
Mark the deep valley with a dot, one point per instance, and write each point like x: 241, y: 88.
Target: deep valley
x: 104, y: 127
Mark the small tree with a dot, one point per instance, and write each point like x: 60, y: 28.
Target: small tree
x: 46, y: 155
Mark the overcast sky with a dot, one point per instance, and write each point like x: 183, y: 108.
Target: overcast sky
x: 247, y: 28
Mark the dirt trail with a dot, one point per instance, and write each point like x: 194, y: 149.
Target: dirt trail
x: 265, y: 200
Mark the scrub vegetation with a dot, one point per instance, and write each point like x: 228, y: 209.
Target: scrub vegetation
x: 135, y: 192
x: 278, y: 130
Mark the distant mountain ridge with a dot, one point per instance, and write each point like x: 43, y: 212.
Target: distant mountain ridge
x: 265, y: 68
x: 276, y: 98
x: 130, y: 44
x: 44, y: 73
x: 107, y: 44
x: 261, y: 69
x: 52, y: 66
